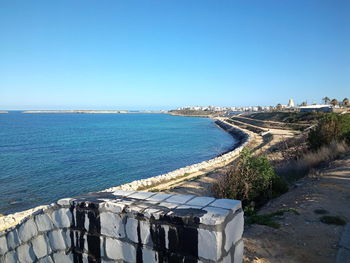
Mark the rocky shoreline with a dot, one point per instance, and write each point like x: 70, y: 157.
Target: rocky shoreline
x: 223, y: 159
x: 10, y: 220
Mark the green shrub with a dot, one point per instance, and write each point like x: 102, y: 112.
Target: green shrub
x: 269, y: 219
x: 252, y: 179
x: 333, y: 220
x: 279, y: 186
x: 331, y: 127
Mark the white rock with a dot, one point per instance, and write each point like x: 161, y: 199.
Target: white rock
x: 27, y: 230
x: 234, y: 230
x: 227, y: 204
x: 43, y: 223
x: 180, y: 199
x: 111, y: 225
x: 47, y: 259
x: 114, y: 207
x: 56, y: 240
x: 118, y: 250
x: 25, y: 254
x: 238, y: 256
x: 85, y: 258
x: 209, y: 244
x: 66, y: 237
x: 11, y: 257
x: 214, y: 216
x: 141, y: 195
x: 86, y: 222
x: 62, y: 257
x: 149, y: 256
x: 200, y: 201
x: 3, y: 245
x: 159, y: 197
x: 152, y: 212
x: 62, y: 218
x: 65, y: 201
x: 168, y: 205
x: 13, y: 239
x: 227, y: 259
x: 123, y: 192
x: 131, y: 229
x: 40, y: 246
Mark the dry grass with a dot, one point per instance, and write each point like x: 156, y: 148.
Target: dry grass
x: 294, y: 169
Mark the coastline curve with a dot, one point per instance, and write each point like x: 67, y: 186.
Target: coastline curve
x: 145, y: 184
x: 243, y: 136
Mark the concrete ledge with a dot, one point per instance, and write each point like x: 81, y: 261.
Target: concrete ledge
x: 128, y: 226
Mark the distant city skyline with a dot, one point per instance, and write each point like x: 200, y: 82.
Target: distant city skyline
x: 161, y: 55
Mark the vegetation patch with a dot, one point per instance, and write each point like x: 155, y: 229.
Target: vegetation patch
x: 333, y: 220
x: 252, y: 180
x: 331, y: 127
x: 288, y: 117
x: 294, y: 169
x: 269, y: 219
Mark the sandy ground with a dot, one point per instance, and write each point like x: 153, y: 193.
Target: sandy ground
x: 303, y: 238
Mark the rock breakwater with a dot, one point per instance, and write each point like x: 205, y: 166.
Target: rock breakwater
x: 224, y: 159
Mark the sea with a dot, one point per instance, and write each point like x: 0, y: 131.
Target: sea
x: 48, y: 156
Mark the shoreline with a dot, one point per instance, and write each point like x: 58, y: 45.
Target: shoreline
x: 10, y: 220
x: 184, y: 172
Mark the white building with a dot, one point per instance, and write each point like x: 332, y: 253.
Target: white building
x: 291, y: 103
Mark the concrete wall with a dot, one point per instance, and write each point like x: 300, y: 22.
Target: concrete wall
x: 128, y: 226
x: 235, y: 131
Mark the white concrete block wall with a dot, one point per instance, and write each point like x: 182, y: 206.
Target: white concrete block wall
x: 129, y: 226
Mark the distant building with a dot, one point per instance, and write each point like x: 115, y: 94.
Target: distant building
x: 316, y: 108
x: 291, y: 103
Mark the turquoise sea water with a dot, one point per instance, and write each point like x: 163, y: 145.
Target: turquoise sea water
x: 44, y: 157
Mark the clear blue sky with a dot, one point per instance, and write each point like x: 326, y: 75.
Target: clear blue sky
x: 115, y: 54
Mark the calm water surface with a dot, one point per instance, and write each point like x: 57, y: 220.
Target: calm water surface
x: 44, y: 157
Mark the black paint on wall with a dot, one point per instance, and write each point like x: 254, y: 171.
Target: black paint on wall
x: 79, y: 232
x: 182, y: 235
x: 139, y: 258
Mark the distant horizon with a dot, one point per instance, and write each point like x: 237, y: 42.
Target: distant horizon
x: 150, y: 108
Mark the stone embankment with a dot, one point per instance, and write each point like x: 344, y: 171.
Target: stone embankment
x: 224, y: 159
x: 128, y: 226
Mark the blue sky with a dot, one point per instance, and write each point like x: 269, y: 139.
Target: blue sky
x: 115, y: 54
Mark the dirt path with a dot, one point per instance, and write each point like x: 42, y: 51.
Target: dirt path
x: 303, y: 238
x: 201, y: 183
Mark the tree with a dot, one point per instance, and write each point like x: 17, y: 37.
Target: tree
x: 334, y: 102
x: 326, y: 100
x: 279, y: 106
x: 346, y: 102
x: 304, y: 103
